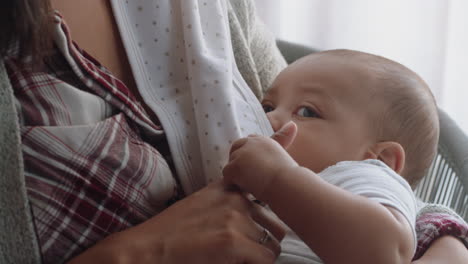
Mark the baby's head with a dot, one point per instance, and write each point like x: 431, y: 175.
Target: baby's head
x: 350, y: 105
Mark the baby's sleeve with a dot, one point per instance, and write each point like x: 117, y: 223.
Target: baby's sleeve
x: 374, y: 180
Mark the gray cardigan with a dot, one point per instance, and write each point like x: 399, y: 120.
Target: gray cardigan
x: 18, y: 242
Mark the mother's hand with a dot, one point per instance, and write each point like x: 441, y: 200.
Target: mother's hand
x: 217, y: 224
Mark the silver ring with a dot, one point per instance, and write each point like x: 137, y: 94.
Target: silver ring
x: 265, y: 238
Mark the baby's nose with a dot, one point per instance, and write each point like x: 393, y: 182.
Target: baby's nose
x: 277, y: 119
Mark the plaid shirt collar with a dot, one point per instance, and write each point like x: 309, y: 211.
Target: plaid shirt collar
x: 89, y: 70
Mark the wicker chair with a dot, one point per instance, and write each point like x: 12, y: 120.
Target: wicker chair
x: 447, y: 180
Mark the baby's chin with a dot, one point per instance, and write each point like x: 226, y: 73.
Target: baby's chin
x: 306, y: 160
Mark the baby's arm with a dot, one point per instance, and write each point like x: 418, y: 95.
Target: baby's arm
x: 340, y: 227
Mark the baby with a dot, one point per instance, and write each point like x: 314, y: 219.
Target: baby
x: 360, y: 131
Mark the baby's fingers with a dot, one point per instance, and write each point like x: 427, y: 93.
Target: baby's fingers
x: 286, y: 134
x: 237, y: 144
x: 230, y: 172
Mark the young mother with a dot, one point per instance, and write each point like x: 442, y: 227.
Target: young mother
x: 79, y: 151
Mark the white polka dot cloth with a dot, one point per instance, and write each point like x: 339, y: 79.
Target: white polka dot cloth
x: 181, y: 56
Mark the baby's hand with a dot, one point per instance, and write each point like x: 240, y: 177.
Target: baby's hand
x: 255, y: 161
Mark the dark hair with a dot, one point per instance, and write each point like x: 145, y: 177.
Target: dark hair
x: 25, y: 26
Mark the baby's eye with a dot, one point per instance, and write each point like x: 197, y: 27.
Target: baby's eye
x: 305, y: 111
x: 268, y: 108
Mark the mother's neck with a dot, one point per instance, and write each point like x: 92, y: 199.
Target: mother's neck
x: 93, y: 28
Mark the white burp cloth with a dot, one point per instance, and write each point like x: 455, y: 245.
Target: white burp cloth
x: 182, y: 60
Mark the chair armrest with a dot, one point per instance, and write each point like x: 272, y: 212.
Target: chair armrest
x: 453, y: 142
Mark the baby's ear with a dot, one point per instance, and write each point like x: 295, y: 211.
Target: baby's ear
x: 286, y: 134
x: 390, y: 153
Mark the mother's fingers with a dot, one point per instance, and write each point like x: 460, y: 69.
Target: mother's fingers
x: 254, y: 221
x: 269, y: 241
x: 255, y: 253
x: 260, y: 214
x: 258, y: 234
x: 269, y: 220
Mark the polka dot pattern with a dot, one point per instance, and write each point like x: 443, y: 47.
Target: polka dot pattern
x: 181, y: 56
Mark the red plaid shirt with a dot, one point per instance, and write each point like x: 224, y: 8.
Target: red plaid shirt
x: 90, y: 169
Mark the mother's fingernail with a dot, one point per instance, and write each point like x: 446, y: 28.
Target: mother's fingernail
x: 259, y: 202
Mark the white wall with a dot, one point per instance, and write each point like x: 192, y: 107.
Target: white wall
x: 428, y: 36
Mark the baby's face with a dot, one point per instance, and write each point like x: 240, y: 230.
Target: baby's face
x: 330, y: 101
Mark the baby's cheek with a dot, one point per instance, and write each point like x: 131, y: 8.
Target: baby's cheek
x: 299, y: 155
x: 315, y: 161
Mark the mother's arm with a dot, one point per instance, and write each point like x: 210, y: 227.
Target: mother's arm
x: 214, y: 225
x: 446, y: 249
x: 442, y: 236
